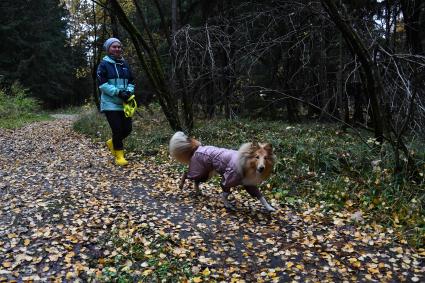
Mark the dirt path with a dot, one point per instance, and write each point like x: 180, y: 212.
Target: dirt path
x: 61, y: 197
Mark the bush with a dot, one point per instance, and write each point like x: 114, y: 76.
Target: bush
x: 17, y: 102
x: 18, y: 108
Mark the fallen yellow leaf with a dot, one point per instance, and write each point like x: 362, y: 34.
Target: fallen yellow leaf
x: 289, y: 264
x: 355, y: 262
x: 373, y: 270
x: 70, y: 275
x: 206, y: 272
x: 271, y: 274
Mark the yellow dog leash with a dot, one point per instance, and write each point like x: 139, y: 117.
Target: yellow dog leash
x: 130, y: 107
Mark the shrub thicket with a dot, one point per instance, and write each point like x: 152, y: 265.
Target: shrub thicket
x: 17, y: 108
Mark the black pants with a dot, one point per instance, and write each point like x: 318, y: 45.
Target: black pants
x: 120, y: 125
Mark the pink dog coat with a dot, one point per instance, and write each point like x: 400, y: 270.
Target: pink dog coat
x: 211, y: 158
x: 224, y: 162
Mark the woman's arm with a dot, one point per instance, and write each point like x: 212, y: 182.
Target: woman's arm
x: 103, y: 83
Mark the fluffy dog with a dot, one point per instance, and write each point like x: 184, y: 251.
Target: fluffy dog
x: 249, y: 166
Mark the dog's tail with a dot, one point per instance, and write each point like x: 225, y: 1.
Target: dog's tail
x: 182, y: 147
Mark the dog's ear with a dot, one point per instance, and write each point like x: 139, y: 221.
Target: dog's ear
x: 268, y: 147
x: 254, y: 146
x: 194, y: 144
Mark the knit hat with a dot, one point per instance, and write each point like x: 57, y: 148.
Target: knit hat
x: 109, y: 42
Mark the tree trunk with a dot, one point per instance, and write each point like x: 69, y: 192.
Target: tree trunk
x: 95, y: 63
x: 114, y: 23
x: 368, y: 73
x: 412, y: 23
x: 342, y: 103
x: 187, y: 101
x: 358, y: 104
x: 412, y: 10
x: 151, y: 63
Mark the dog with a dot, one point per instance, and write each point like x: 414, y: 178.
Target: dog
x: 249, y: 166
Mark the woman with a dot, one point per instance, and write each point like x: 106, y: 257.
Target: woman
x: 116, y: 85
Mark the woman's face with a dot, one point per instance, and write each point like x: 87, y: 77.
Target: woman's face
x: 115, y: 49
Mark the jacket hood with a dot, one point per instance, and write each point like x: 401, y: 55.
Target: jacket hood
x: 109, y: 59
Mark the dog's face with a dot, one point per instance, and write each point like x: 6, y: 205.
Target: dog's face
x: 260, y: 160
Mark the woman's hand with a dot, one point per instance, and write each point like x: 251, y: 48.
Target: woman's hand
x: 124, y: 94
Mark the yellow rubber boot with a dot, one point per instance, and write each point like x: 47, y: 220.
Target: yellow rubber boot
x: 119, y: 158
x: 110, y: 146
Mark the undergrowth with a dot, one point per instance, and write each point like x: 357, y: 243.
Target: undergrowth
x: 316, y: 163
x: 143, y: 255
x: 18, y: 109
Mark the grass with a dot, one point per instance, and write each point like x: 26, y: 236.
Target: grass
x: 72, y: 110
x: 149, y: 137
x: 18, y: 109
x: 20, y: 121
x: 144, y: 255
x: 317, y: 163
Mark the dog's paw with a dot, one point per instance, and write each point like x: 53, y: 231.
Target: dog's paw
x: 271, y: 209
x: 229, y: 206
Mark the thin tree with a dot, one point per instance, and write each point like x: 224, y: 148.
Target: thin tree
x: 146, y: 51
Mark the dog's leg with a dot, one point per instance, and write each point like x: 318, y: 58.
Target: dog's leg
x: 197, y: 189
x: 224, y: 197
x: 255, y: 192
x: 227, y: 204
x: 182, y: 180
x: 266, y: 205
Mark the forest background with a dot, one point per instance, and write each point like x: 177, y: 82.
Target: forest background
x: 355, y: 66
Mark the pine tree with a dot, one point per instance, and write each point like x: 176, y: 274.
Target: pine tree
x: 36, y: 52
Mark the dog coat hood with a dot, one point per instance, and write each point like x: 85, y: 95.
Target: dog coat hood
x: 211, y: 158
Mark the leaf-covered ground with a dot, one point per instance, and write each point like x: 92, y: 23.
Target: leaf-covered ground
x: 67, y: 212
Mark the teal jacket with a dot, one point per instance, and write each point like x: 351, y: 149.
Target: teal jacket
x: 113, y: 76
